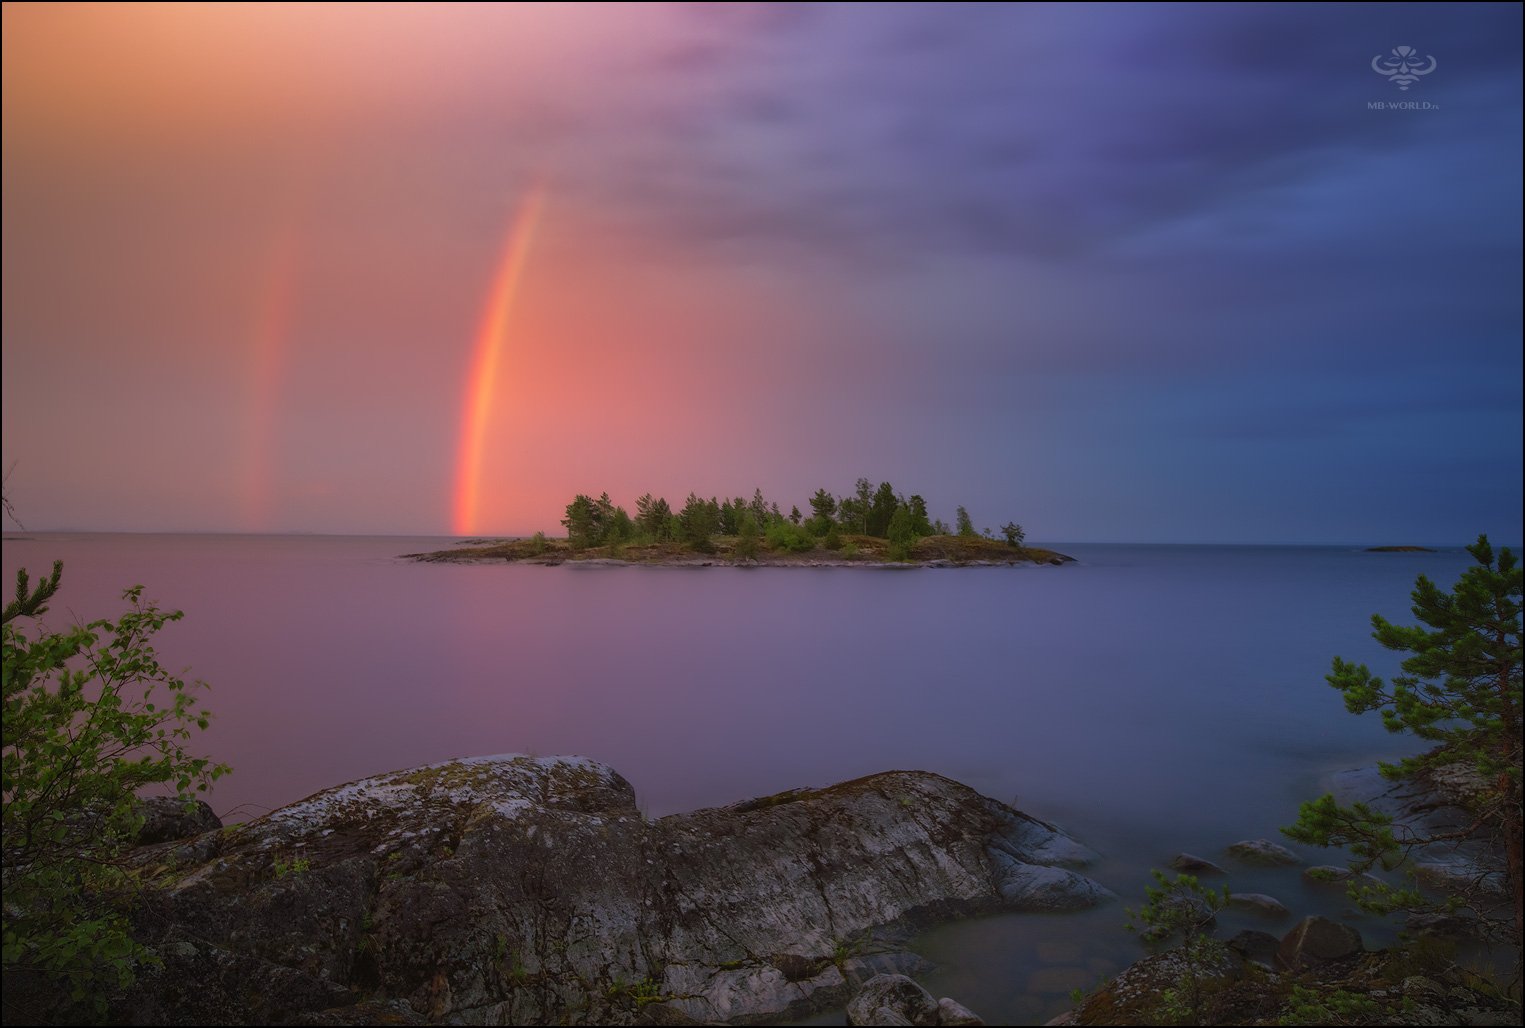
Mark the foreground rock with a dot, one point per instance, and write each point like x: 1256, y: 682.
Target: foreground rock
x: 524, y: 890
x: 894, y: 999
x: 1243, y: 982
x: 166, y: 818
x: 1318, y: 940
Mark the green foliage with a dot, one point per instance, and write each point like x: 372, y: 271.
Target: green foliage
x: 729, y: 511
x: 640, y: 993
x: 863, y: 504
x: 538, y: 543
x: 1460, y: 688
x: 582, y: 523
x: 618, y: 527
x: 295, y: 866
x: 873, y: 511
x: 1182, y: 911
x: 746, y: 538
x: 1330, y: 1006
x: 902, y: 533
x: 921, y: 524
x: 653, y: 518
x: 91, y: 717
x: 699, y: 520
x: 823, y: 509
x: 599, y: 522
x: 965, y: 524
x: 789, y: 538
x: 881, y: 510
x: 849, y: 550
x: 758, y: 508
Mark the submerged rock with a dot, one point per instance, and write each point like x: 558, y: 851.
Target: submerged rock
x: 894, y: 995
x: 952, y: 1012
x: 529, y: 890
x: 894, y: 999
x: 1192, y: 864
x: 1258, y: 903
x: 1263, y: 852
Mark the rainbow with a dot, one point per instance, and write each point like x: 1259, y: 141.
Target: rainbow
x: 487, y: 355
x: 271, y: 334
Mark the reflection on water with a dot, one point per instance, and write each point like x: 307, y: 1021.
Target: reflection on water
x: 1148, y: 699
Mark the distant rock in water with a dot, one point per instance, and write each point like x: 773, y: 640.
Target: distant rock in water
x: 1399, y: 549
x: 1263, y: 852
x: 1258, y: 903
x: 1192, y: 864
x: 530, y: 890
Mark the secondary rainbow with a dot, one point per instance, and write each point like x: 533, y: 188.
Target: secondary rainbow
x: 487, y: 360
x: 270, y: 341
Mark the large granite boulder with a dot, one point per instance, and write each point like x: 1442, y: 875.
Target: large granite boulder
x: 523, y: 890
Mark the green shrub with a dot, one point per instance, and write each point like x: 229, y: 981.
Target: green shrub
x: 785, y: 537
x: 91, y: 717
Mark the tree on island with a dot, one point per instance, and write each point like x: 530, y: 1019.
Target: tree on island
x: 874, y: 511
x: 583, y: 522
x: 863, y: 502
x: 965, y: 524
x: 700, y: 520
x: 881, y: 509
x: 823, y: 509
x: 1014, y: 534
x: 653, y: 518
x: 746, y: 538
x: 902, y: 533
x: 1460, y: 689
x: 921, y: 523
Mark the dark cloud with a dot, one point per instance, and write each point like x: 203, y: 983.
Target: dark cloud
x: 1049, y: 132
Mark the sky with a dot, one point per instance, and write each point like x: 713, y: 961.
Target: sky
x: 1157, y: 273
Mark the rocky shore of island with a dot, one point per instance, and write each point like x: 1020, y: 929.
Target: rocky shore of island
x: 858, y: 552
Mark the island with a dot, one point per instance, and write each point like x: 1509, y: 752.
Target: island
x: 867, y: 527
x: 1399, y: 549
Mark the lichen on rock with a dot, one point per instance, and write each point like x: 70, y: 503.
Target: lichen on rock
x: 527, y: 890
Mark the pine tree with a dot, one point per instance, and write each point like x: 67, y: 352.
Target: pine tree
x: 1460, y: 688
x: 823, y: 509
x: 901, y: 533
x: 965, y: 524
x: 881, y: 510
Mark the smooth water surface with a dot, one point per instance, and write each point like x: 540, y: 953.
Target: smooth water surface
x: 1149, y: 699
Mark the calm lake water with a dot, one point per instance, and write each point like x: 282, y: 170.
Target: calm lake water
x: 1149, y: 699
